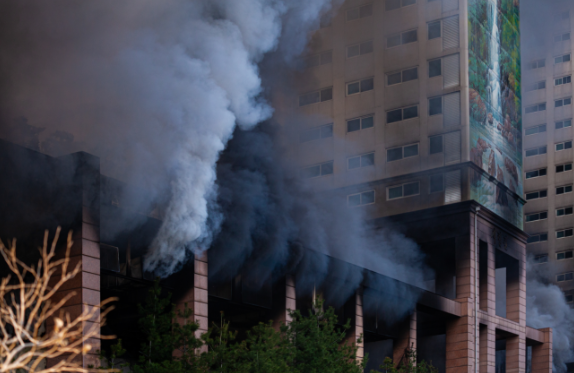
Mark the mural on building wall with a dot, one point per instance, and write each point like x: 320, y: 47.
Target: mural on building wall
x: 495, y: 105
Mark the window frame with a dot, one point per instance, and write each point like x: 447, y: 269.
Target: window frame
x: 403, y: 152
x: 537, y: 106
x: 401, y: 72
x: 360, y: 157
x: 538, y: 256
x: 540, y: 237
x: 403, y: 190
x: 360, y: 81
x: 360, y: 49
x: 540, y: 213
x: 302, y: 170
x: 565, y: 145
x: 400, y: 5
x: 564, y: 211
x: 539, y: 64
x: 402, y: 109
x: 360, y: 119
x: 561, y: 57
x: 539, y: 192
x: 562, y: 102
x: 564, y: 187
x: 564, y: 274
x: 562, y: 79
x: 533, y: 127
x: 358, y: 9
x: 562, y: 122
x: 400, y: 35
x: 320, y: 92
x: 538, y: 151
x: 538, y: 170
x: 440, y: 29
x: 565, y: 252
x: 565, y: 230
x: 565, y: 165
x: 360, y: 194
x: 316, y: 128
x: 560, y: 38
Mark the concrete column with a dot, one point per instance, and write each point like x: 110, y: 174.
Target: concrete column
x: 85, y: 202
x: 516, y: 354
x: 542, y: 354
x: 516, y: 292
x: 283, y: 302
x: 290, y: 298
x: 359, y: 324
x: 460, y: 340
x: 465, y: 265
x: 200, y: 293
x: 488, y: 281
x: 407, y: 340
x: 487, y: 351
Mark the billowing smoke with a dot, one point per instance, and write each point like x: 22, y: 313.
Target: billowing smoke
x: 546, y: 307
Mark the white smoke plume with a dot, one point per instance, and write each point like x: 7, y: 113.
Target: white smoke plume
x: 154, y: 88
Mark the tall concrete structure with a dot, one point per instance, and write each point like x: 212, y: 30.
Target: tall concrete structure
x: 548, y: 158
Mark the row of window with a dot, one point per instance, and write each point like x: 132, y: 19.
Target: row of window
x: 541, y: 128
x: 542, y: 106
x: 568, y: 276
x: 537, y: 216
x: 544, y: 193
x: 542, y: 149
x: 557, y: 60
x: 557, y: 81
x: 543, y: 258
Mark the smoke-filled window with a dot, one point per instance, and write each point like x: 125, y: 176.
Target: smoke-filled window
x: 363, y: 198
x: 360, y: 49
x: 436, y: 183
x: 402, y: 38
x: 564, y: 168
x: 403, y: 76
x: 542, y: 258
x: 361, y: 123
x: 564, y: 255
x: 398, y: 115
x: 568, y: 276
x: 563, y: 124
x: 563, y: 80
x: 563, y: 145
x: 364, y: 160
x: 564, y: 233
x: 538, y: 237
x: 537, y: 64
x: 318, y: 59
x: 536, y: 129
x: 563, y: 189
x: 537, y: 216
x: 536, y: 173
x: 404, y: 190
x: 321, y: 132
x: 536, y: 151
x: 325, y: 94
x: 407, y: 151
x: 360, y: 12
x: 537, y: 194
x: 563, y: 102
x: 561, y: 59
x: 563, y: 211
x: 562, y: 37
x: 535, y: 108
x: 317, y: 170
x: 360, y: 86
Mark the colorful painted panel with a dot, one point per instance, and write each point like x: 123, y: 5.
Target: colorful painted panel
x: 495, y: 105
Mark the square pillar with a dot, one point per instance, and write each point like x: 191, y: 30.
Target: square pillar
x: 542, y: 353
x: 407, y: 340
x: 487, y: 350
x: 460, y: 340
x: 516, y: 354
x: 516, y: 292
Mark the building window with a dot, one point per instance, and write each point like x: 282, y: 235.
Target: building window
x: 321, y: 132
x: 535, y: 108
x: 568, y: 276
x: 435, y: 105
x: 536, y: 216
x: 402, y: 114
x: 319, y: 59
x: 564, y: 189
x: 362, y: 123
x: 564, y: 168
x: 539, y: 237
x: 396, y: 4
x: 564, y: 124
x: 536, y: 86
x: 405, y: 190
x: 536, y: 195
x: 317, y: 96
x: 435, y: 144
x: 563, y: 102
x: 564, y: 233
x: 402, y: 38
x: 435, y: 68
x: 562, y: 16
x: 563, y: 145
x: 562, y: 37
x: 406, y: 151
x: 563, y: 80
x: 564, y: 211
x: 537, y: 64
x: 360, y: 199
x: 403, y: 76
x: 361, y: 161
x: 542, y: 258
x: 561, y: 59
x: 536, y: 151
x: 564, y: 255
x: 360, y: 49
x: 317, y: 170
x: 360, y: 86
x: 536, y: 129
x: 434, y: 30
x: 361, y: 12
x: 536, y: 173
x: 436, y: 183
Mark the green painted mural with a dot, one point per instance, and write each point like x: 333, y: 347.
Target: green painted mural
x: 495, y: 105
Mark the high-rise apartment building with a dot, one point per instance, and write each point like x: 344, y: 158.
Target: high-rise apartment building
x: 548, y: 144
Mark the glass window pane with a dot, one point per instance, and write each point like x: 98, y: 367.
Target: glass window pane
x: 313, y: 171
x: 568, y: 255
x: 409, y: 37
x: 434, y: 68
x: 310, y: 135
x: 327, y: 168
x: 543, y: 236
x: 559, y: 169
x: 434, y: 30
x: 411, y: 112
x: 568, y: 123
x: 368, y: 160
x: 560, y: 256
x: 326, y: 94
x: 435, y: 106
x: 392, y: 4
x: 395, y: 192
x: 533, y: 239
x: 567, y: 101
x: 568, y: 189
x: 568, y: 145
x: 568, y: 167
x: 354, y: 162
x: 309, y: 98
x: 367, y: 47
x: 531, y: 131
x: 394, y: 154
x: 367, y: 85
x: 327, y: 131
x: 411, y: 150
x: 560, y: 190
x: 531, y: 152
x: 353, y: 51
x: 353, y: 125
x: 530, y: 174
x: 436, y: 144
x: 559, y: 147
x: 559, y: 212
x: 393, y: 78
x: 393, y: 41
x: 558, y: 103
x: 566, y: 58
x: 568, y: 211
x: 543, y: 215
x: 367, y: 197
x: 353, y: 88
x: 542, y: 172
x: 367, y: 122
x: 410, y: 74
x: 411, y: 189
x: 542, y: 150
x: 354, y: 200
x: 533, y: 195
x: 394, y: 116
